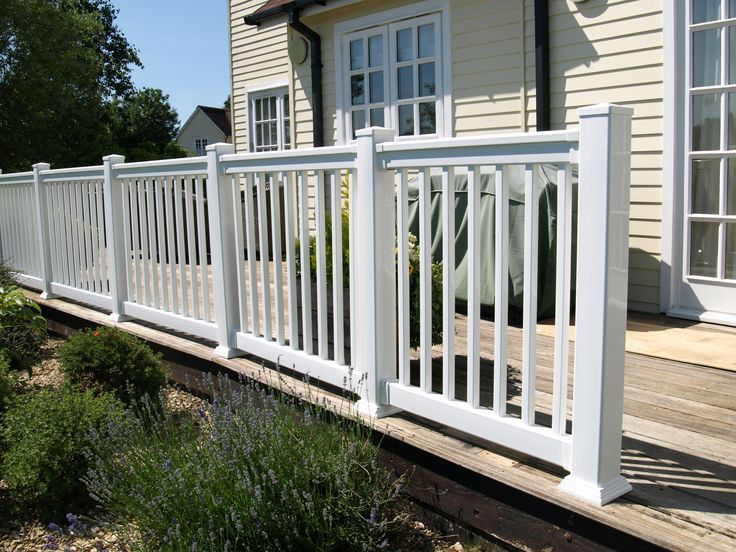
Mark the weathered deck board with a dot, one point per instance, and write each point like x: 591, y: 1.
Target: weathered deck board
x: 679, y: 445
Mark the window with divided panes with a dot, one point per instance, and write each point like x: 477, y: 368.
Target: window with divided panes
x: 711, y: 146
x: 393, y: 77
x: 200, y: 146
x: 270, y: 121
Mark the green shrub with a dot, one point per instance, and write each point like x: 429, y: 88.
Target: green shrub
x: 259, y: 474
x: 7, y: 276
x: 414, y: 319
x: 328, y: 252
x: 112, y: 360
x: 46, y: 434
x: 6, y: 382
x: 22, y: 327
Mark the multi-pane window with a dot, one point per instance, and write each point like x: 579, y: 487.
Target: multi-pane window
x: 200, y: 146
x: 270, y: 121
x: 394, y: 77
x: 368, y: 85
x: 711, y: 215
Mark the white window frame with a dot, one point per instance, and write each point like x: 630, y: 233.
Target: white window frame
x: 348, y: 108
x: 281, y: 91
x: 204, y: 142
x: 677, y: 164
x: 443, y: 67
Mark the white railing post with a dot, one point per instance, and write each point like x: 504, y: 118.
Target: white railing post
x: 115, y: 237
x: 223, y: 250
x: 600, y: 319
x: 42, y: 224
x: 375, y: 272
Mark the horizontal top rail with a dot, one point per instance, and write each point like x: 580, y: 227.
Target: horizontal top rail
x: 335, y: 157
x: 73, y: 173
x: 17, y: 178
x: 557, y: 146
x: 184, y: 166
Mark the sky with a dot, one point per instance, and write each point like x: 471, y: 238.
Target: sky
x: 183, y: 47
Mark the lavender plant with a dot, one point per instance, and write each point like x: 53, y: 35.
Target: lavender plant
x: 253, y: 473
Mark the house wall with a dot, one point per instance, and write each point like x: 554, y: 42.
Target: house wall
x: 601, y: 51
x: 612, y: 51
x: 258, y: 57
x: 199, y: 126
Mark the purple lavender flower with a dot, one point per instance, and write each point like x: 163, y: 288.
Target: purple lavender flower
x: 373, y: 516
x: 53, y: 527
x: 72, y: 519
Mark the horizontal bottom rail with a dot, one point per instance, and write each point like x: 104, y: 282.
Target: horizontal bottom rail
x: 200, y: 328
x: 508, y: 432
x: 82, y: 295
x: 327, y: 371
x: 30, y: 281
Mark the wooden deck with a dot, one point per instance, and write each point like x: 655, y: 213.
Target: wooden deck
x: 679, y: 442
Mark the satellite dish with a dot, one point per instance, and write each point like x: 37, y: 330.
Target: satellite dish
x: 298, y: 50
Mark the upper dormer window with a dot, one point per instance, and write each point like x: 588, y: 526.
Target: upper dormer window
x: 200, y: 146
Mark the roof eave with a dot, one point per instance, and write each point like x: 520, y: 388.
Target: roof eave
x: 259, y: 17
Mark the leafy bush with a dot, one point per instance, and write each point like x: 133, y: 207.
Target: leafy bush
x: 259, y: 474
x: 328, y: 252
x: 7, y: 276
x: 414, y: 319
x: 46, y: 435
x: 414, y: 297
x: 22, y: 327
x: 112, y: 360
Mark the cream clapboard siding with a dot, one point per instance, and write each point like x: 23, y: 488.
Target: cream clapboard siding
x: 258, y: 55
x: 612, y: 51
x: 601, y: 51
x: 485, y: 89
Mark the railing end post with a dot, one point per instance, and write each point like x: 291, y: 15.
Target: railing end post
x: 598, y: 494
x: 602, y: 292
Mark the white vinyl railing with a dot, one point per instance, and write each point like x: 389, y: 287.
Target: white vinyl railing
x: 303, y: 189
x: 18, y: 229
x: 165, y: 246
x: 223, y: 247
x: 75, y: 226
x: 474, y: 158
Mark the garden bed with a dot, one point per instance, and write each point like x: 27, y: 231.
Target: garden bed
x: 28, y: 533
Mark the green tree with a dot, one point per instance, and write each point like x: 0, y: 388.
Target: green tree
x: 147, y: 125
x: 226, y: 103
x: 61, y: 62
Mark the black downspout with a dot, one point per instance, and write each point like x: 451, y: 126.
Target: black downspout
x: 541, y: 58
x: 315, y: 50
